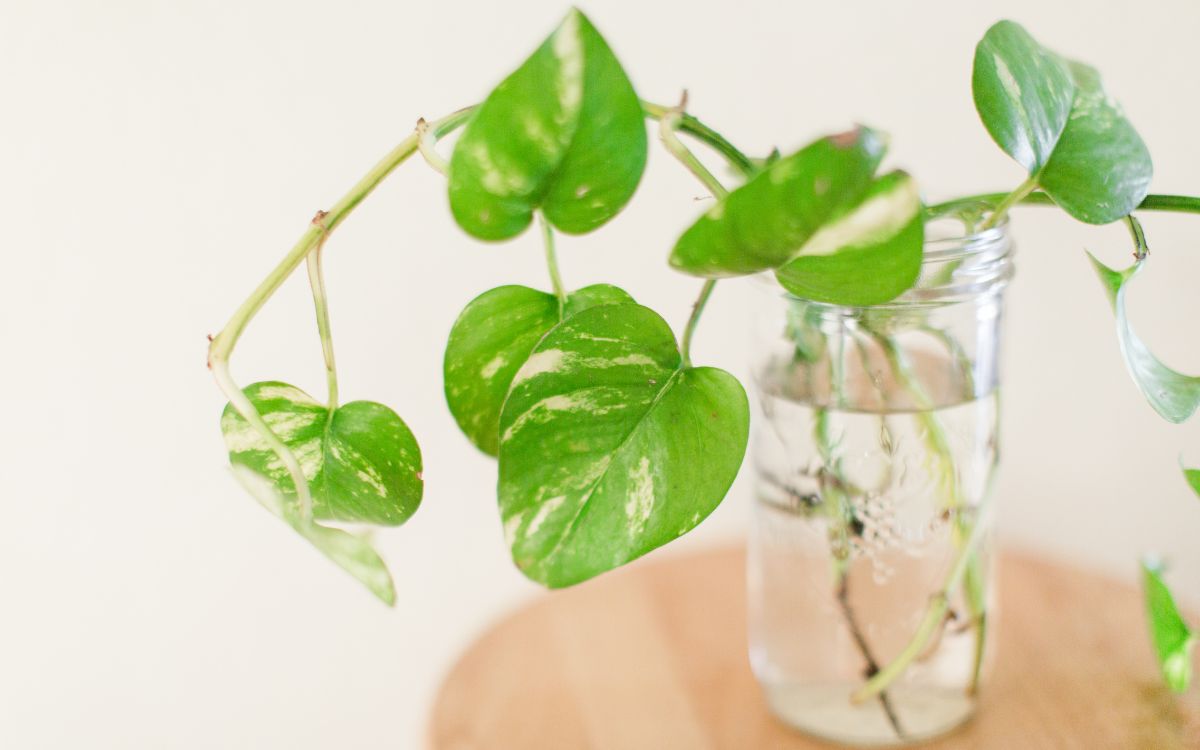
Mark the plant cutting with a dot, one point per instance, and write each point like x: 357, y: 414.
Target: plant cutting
x: 611, y: 442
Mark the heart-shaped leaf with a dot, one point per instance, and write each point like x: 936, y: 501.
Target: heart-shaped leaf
x: 1023, y: 93
x: 610, y: 446
x: 869, y: 254
x: 763, y: 223
x: 1100, y: 170
x: 1173, y: 639
x: 362, y: 462
x: 489, y: 342
x: 352, y: 553
x: 564, y: 133
x: 1054, y: 118
x: 1173, y: 395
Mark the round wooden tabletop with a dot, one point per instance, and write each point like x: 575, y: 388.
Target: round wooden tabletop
x: 654, y: 657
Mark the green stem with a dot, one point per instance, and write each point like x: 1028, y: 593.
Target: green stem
x: 694, y: 127
x: 1175, y: 203
x: 669, y: 121
x: 938, y: 445
x: 1140, y: 248
x: 690, y: 329
x: 224, y: 342
x: 935, y: 614
x: 552, y: 264
x: 1007, y: 202
x: 221, y: 347
x: 316, y: 280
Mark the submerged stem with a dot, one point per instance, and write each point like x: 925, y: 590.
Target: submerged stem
x: 935, y: 614
x: 885, y: 701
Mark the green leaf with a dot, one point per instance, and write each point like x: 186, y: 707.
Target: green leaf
x: 353, y: 554
x: 1023, y: 93
x: 489, y: 342
x: 1173, y: 639
x: 610, y: 447
x: 1054, y: 118
x: 1173, y: 395
x: 563, y: 133
x: 362, y: 462
x: 1193, y: 479
x: 763, y: 223
x: 869, y: 254
x: 1100, y: 171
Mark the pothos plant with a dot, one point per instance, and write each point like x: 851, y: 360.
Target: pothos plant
x: 610, y: 441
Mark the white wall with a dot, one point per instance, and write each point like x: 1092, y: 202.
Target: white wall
x: 156, y: 160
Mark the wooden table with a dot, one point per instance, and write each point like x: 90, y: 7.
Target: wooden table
x: 654, y: 657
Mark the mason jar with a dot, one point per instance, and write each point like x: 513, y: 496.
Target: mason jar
x: 870, y: 564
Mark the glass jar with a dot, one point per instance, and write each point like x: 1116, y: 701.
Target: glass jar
x: 870, y: 576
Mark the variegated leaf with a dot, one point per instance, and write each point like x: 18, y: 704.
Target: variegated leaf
x: 362, y: 462
x: 1172, y: 394
x: 489, y: 342
x: 1053, y: 116
x: 564, y: 133
x: 610, y: 446
x: 867, y: 255
x: 763, y: 223
x: 1023, y: 93
x: 352, y: 553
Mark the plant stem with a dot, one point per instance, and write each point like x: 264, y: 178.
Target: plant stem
x: 694, y: 319
x: 939, y: 447
x: 843, y: 597
x: 316, y: 280
x: 426, y: 143
x: 224, y: 342
x: 1175, y: 203
x: 668, y: 122
x: 221, y: 347
x: 552, y: 264
x: 932, y: 622
x: 694, y: 127
x: 1007, y: 202
x: 1140, y: 248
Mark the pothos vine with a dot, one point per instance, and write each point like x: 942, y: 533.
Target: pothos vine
x: 610, y: 442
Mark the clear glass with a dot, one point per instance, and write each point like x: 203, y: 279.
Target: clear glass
x: 875, y: 454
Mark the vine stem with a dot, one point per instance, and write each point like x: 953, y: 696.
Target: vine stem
x: 1140, y: 247
x: 1153, y: 202
x: 694, y: 319
x: 316, y: 280
x: 1007, y: 202
x: 552, y: 264
x: 690, y: 125
x: 221, y: 346
x: 669, y: 121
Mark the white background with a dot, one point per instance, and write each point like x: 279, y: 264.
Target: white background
x: 157, y: 159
